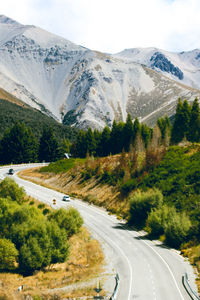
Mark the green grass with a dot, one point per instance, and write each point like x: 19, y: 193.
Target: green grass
x: 62, y: 165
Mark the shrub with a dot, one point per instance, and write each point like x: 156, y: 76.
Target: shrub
x: 34, y: 254
x: 157, y: 220
x: 69, y: 219
x: 141, y: 204
x: 129, y: 185
x: 9, y: 188
x: 41, y: 205
x: 46, y: 211
x: 8, y: 255
x: 90, y: 198
x: 174, y: 225
x: 177, y: 229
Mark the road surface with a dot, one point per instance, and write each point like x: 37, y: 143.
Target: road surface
x: 147, y: 270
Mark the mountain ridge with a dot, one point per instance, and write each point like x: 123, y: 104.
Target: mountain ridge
x: 80, y: 86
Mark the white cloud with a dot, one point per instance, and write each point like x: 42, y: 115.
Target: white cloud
x: 112, y: 25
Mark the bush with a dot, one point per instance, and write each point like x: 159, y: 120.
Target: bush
x: 33, y: 255
x: 157, y: 220
x: 166, y: 220
x: 129, y: 185
x: 69, y: 219
x: 177, y: 229
x: 8, y: 255
x: 141, y: 204
x: 46, y: 211
x: 41, y: 205
x: 9, y: 188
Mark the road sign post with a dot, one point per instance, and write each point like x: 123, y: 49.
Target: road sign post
x: 98, y: 290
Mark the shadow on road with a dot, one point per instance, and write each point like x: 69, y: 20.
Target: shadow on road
x: 141, y: 235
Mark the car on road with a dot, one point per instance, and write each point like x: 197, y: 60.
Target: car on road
x: 10, y: 171
x: 66, y: 198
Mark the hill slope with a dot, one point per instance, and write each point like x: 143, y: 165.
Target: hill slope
x: 12, y: 112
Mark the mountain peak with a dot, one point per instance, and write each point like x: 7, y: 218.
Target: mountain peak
x: 7, y: 20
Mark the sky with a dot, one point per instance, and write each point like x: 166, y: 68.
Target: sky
x: 114, y: 25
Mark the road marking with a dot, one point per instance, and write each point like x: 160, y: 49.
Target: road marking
x: 108, y: 217
x: 123, y: 254
x: 166, y: 264
x: 112, y: 242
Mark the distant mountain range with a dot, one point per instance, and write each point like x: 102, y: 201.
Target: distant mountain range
x: 85, y: 88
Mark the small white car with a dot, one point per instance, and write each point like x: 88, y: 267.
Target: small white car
x: 66, y: 198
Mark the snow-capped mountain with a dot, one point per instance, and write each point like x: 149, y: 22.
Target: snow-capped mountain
x: 86, y: 88
x: 183, y: 67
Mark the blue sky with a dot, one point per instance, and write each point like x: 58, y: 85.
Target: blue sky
x: 113, y: 25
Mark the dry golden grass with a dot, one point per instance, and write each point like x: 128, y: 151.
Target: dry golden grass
x: 85, y: 262
x: 6, y: 96
x: 91, y: 190
x: 193, y: 254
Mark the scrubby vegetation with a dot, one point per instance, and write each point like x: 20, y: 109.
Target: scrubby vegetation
x: 62, y: 165
x: 31, y: 240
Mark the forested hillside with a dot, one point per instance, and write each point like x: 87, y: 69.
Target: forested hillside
x: 27, y: 135
x: 10, y: 113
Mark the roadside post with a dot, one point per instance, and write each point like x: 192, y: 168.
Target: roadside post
x: 98, y: 290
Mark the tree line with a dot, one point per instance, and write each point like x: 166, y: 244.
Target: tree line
x: 110, y: 141
x: 186, y: 122
x: 31, y: 238
x: 19, y: 145
x: 122, y: 135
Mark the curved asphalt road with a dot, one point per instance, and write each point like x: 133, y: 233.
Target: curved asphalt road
x: 147, y: 270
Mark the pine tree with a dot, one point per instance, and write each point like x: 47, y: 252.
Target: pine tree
x: 48, y: 147
x: 105, y: 142
x: 164, y: 125
x: 97, y: 137
x: 79, y: 148
x: 90, y: 142
x: 146, y: 134
x: 116, y: 137
x: 186, y: 117
x: 18, y: 145
x: 136, y: 129
x: 194, y: 125
x: 181, y: 123
x: 128, y: 133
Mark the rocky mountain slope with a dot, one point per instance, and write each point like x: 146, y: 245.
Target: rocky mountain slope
x: 183, y: 67
x: 82, y: 87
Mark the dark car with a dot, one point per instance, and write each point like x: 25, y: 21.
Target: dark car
x: 66, y: 198
x: 11, y: 172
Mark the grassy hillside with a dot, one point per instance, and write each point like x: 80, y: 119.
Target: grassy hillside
x: 13, y: 110
x: 109, y: 183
